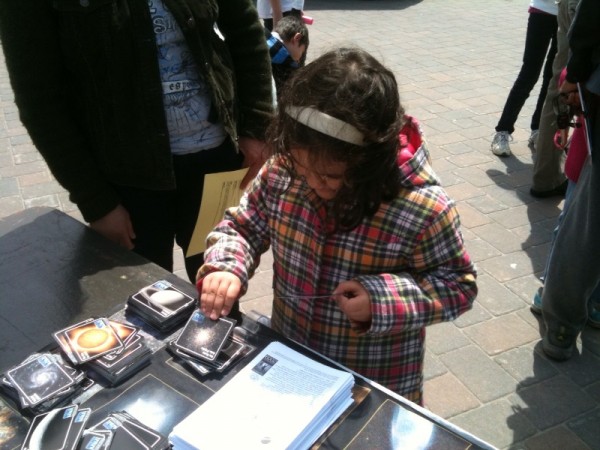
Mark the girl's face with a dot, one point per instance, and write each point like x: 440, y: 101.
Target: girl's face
x: 326, y: 179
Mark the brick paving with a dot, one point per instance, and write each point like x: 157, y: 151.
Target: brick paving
x: 455, y: 61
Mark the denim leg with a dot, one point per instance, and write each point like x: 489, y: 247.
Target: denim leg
x: 540, y: 30
x: 574, y: 269
x: 568, y: 197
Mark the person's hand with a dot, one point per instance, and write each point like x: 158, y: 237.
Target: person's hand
x: 354, y: 300
x: 219, y: 292
x: 116, y: 226
x: 571, y: 92
x: 255, y: 154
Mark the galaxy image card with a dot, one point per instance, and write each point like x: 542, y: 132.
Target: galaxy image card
x: 39, y: 379
x: 203, y: 337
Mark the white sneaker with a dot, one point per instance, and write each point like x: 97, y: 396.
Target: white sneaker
x: 533, y: 139
x: 500, y: 146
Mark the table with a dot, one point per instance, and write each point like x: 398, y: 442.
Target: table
x: 55, y: 271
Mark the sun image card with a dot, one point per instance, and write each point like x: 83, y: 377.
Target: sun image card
x: 125, y: 332
x: 204, y: 337
x: 39, y: 379
x: 126, y: 357
x: 63, y: 341
x: 91, y: 340
x: 51, y: 430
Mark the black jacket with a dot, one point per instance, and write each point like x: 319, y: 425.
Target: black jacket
x: 87, y: 84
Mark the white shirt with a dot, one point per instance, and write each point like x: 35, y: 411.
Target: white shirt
x: 548, y: 6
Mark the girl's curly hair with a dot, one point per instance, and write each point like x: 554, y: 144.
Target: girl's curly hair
x: 351, y: 85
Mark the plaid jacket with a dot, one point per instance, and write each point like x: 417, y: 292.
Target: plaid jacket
x: 409, y: 256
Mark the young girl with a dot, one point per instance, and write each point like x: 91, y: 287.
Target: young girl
x: 366, y: 245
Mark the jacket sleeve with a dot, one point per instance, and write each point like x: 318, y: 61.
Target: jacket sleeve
x: 584, y: 41
x: 236, y: 244
x: 245, y: 38
x: 30, y: 38
x: 440, y: 285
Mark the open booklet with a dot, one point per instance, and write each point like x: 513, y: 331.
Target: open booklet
x: 280, y: 400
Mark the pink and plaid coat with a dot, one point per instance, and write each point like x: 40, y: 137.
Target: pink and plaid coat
x: 409, y: 256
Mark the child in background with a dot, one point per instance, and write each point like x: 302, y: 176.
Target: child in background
x: 366, y: 244
x: 288, y: 44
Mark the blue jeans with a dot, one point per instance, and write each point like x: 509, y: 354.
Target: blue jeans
x: 573, y: 268
x: 541, y: 33
x: 595, y: 297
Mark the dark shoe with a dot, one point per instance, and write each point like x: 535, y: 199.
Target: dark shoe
x: 559, y: 345
x: 559, y: 190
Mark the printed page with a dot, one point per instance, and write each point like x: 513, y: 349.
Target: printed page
x: 221, y: 191
x: 279, y: 399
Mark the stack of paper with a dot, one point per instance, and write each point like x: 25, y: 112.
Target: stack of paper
x: 280, y: 400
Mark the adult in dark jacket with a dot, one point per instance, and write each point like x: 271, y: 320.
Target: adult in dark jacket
x: 132, y: 102
x: 573, y: 269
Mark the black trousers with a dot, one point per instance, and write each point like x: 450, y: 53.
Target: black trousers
x: 541, y: 34
x: 161, y: 218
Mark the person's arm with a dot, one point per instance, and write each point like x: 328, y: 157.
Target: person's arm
x: 234, y: 248
x: 29, y: 31
x: 276, y: 11
x: 244, y: 35
x: 439, y: 287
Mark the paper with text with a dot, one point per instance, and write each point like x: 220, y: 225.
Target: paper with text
x: 221, y: 191
x: 280, y: 400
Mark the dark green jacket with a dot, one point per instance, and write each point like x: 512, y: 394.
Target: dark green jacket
x: 87, y: 84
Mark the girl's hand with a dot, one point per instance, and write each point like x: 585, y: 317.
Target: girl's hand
x: 219, y: 292
x: 354, y: 300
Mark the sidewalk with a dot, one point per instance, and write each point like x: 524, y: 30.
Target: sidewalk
x: 455, y: 61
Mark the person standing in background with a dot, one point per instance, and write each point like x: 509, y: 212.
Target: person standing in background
x: 132, y: 102
x: 548, y: 175
x: 541, y: 34
x: 576, y: 248
x: 271, y: 11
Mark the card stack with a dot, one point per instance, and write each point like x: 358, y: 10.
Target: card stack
x: 161, y: 305
x: 112, y: 349
x: 60, y: 428
x: 121, y: 431
x: 118, y: 365
x: 42, y: 382
x: 89, y: 339
x: 208, y: 345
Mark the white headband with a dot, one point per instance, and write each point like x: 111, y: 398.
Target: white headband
x: 326, y: 124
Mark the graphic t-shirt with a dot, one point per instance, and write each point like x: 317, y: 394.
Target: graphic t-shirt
x: 186, y: 96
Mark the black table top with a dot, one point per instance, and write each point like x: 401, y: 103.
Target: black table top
x: 55, y: 271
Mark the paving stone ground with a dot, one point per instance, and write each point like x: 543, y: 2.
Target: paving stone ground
x: 455, y: 61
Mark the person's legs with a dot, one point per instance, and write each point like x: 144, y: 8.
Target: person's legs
x: 189, y: 173
x: 546, y: 77
x: 152, y: 216
x: 573, y: 269
x: 548, y: 161
x: 540, y: 30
